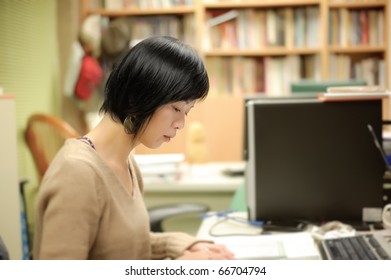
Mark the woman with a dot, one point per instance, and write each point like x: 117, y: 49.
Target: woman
x: 90, y: 204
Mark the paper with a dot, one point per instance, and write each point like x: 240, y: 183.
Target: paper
x: 346, y: 96
x: 165, y: 166
x: 353, y: 93
x: 151, y: 159
x: 356, y: 89
x: 246, y: 241
x: 274, y: 246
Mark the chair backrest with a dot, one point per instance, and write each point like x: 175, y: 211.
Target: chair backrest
x: 45, y: 134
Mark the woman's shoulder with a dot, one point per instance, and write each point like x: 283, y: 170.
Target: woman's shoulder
x: 76, y: 165
x: 75, y: 150
x: 74, y: 157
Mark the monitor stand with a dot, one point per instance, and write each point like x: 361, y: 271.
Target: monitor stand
x: 285, y: 226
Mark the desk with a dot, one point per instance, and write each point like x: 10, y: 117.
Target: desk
x: 247, y: 241
x: 197, y: 183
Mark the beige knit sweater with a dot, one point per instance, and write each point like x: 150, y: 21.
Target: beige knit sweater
x: 84, y: 212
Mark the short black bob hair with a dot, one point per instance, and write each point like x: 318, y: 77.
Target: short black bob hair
x: 157, y: 71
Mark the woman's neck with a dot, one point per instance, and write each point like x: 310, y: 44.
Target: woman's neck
x: 111, y: 141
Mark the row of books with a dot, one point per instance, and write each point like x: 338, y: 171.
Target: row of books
x: 139, y: 4
x: 159, y: 4
x: 179, y: 27
x: 259, y: 28
x: 371, y: 70
x: 356, y: 27
x: 272, y: 76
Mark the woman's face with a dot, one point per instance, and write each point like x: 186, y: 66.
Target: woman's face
x: 165, y: 122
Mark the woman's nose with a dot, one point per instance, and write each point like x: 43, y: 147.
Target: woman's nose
x: 180, y: 123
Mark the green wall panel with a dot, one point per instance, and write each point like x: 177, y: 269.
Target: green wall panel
x: 29, y: 67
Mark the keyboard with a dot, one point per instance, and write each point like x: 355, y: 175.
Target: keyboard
x: 361, y: 247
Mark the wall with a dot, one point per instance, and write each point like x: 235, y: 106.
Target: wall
x: 29, y: 64
x: 35, y: 41
x: 29, y: 70
x: 222, y: 118
x: 10, y: 226
x: 68, y: 21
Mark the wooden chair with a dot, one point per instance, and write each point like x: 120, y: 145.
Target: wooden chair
x: 45, y: 134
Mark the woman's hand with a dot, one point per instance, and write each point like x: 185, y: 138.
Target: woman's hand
x: 207, y: 251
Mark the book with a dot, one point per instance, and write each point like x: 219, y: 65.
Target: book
x: 356, y: 89
x: 310, y: 86
x: 348, y: 96
x: 160, y: 165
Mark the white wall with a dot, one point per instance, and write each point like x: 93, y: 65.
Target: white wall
x: 10, y: 223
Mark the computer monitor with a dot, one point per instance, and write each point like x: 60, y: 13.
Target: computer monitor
x: 312, y: 160
x: 265, y: 98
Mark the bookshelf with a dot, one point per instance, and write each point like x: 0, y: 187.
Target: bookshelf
x: 147, y: 18
x: 358, y: 40
x: 260, y: 47
x: 312, y: 37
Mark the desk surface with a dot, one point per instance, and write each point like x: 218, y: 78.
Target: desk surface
x: 208, y: 177
x: 247, y: 242
x: 198, y: 183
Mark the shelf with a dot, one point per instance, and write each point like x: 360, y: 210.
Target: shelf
x: 260, y: 4
x: 301, y: 29
x: 357, y: 49
x: 136, y: 12
x: 358, y: 5
x: 265, y: 52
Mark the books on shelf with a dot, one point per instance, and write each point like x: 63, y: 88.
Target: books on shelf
x: 356, y: 27
x: 251, y: 48
x: 171, y: 25
x: 118, y: 5
x: 369, y: 69
x: 252, y: 28
x: 271, y: 76
x: 222, y: 18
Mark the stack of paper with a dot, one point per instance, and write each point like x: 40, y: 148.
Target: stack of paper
x: 354, y: 93
x: 300, y: 246
x: 247, y: 241
x: 160, y: 165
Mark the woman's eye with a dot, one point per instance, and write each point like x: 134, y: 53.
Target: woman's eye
x: 176, y: 109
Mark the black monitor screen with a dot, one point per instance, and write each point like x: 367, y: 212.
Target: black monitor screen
x: 312, y: 160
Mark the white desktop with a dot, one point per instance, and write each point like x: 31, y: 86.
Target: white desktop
x: 249, y: 241
x: 206, y: 183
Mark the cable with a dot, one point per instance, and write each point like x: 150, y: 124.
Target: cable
x: 224, y: 216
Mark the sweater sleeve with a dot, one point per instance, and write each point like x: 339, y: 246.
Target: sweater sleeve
x: 170, y: 245
x: 67, y: 213
x: 165, y: 245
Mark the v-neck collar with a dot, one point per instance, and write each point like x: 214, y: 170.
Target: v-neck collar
x: 131, y: 170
